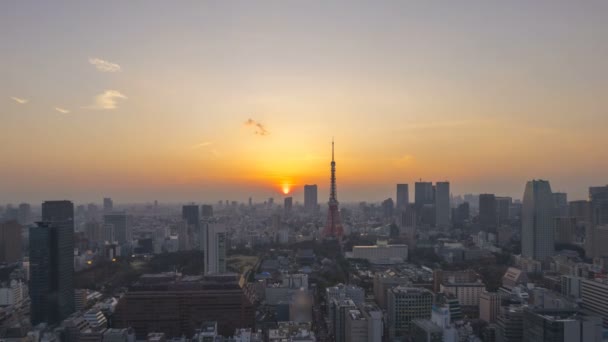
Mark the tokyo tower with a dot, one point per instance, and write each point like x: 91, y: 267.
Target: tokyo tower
x: 333, y: 227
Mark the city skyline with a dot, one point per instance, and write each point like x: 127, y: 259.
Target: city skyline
x: 202, y: 102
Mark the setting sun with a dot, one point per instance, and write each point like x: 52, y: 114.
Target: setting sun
x: 286, y: 189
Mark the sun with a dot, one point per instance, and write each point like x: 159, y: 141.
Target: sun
x: 286, y: 188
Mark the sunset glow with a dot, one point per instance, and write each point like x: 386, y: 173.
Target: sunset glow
x: 238, y: 100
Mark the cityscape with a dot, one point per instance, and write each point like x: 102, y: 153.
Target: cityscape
x: 289, y: 172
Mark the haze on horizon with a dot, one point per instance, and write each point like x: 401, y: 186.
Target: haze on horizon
x: 201, y: 101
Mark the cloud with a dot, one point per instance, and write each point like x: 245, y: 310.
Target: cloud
x: 203, y: 144
x: 103, y: 65
x: 62, y: 110
x: 403, y: 161
x: 107, y: 100
x: 258, y: 128
x: 19, y: 100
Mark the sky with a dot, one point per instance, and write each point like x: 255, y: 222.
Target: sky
x: 208, y: 100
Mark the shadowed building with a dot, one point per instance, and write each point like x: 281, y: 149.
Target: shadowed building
x: 51, y: 271
x: 178, y: 305
x: 10, y: 242
x: 538, y: 235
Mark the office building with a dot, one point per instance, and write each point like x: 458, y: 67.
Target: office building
x: 10, y: 242
x: 510, y: 325
x: 560, y: 204
x: 488, y: 219
x: 503, y: 206
x: 178, y: 305
x: 356, y: 326
x: 424, y: 330
x: 489, y: 306
x: 388, y: 209
x: 340, y: 311
x: 215, y: 251
x: 596, y: 243
x: 442, y: 204
x: 206, y: 211
x: 288, y: 205
x: 461, y: 214
x: 598, y: 196
x: 384, y: 281
x: 381, y: 253
x: 424, y: 194
x: 52, y: 266
x: 581, y: 210
x: 108, y: 205
x: 468, y: 293
x: 24, y: 215
x: 341, y: 291
x: 190, y: 214
x: 94, y: 232
x: 407, y: 229
x: 405, y: 304
x: 120, y: 222
x: 310, y: 198
x: 565, y: 230
x: 538, y: 234
x: 403, y: 197
x: 594, y: 294
x: 364, y: 324
x: 560, y: 325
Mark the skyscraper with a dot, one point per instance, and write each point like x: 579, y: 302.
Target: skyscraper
x: 537, y: 231
x: 215, y: 251
x: 333, y: 227
x: 488, y: 213
x: 310, y: 198
x: 10, y: 242
x: 560, y: 201
x: 122, y: 229
x: 52, y: 264
x: 25, y: 212
x: 287, y: 204
x: 108, y: 205
x: 403, y: 197
x: 207, y: 210
x: 442, y: 204
x: 190, y: 214
x: 598, y: 195
x: 503, y: 206
x: 423, y: 194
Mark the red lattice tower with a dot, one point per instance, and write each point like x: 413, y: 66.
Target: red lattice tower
x: 333, y: 227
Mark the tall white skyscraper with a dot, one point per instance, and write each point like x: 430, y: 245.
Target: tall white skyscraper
x: 537, y: 232
x: 403, y: 197
x: 215, y: 251
x: 442, y: 204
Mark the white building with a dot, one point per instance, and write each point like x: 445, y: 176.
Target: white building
x: 215, y: 252
x: 467, y: 293
x: 13, y: 294
x: 381, y: 253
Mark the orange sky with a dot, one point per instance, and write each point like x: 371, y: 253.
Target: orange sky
x: 203, y: 102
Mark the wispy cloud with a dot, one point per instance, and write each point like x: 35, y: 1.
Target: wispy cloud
x: 19, y: 100
x: 203, y: 144
x: 107, y: 100
x: 62, y: 110
x: 403, y: 161
x: 104, y: 66
x: 258, y: 128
